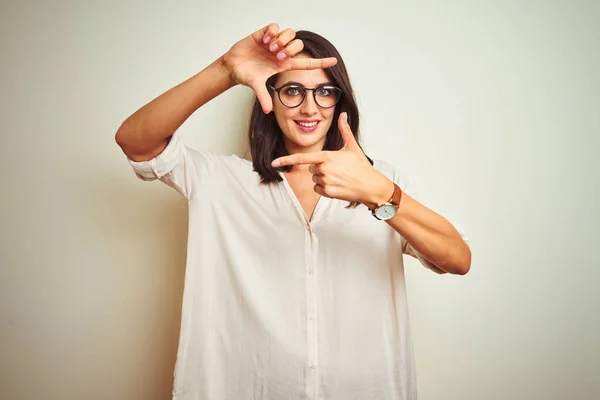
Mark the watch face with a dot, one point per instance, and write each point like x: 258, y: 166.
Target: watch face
x: 386, y: 211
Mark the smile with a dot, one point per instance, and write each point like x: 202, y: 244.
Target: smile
x: 307, y: 126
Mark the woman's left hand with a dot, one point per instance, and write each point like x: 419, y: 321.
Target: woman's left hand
x: 345, y: 174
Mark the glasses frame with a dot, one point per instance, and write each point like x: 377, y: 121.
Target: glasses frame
x: 304, y: 90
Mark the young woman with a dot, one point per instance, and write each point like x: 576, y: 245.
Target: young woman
x: 294, y: 286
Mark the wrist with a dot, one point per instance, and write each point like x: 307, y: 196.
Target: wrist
x: 381, y: 192
x: 225, y: 71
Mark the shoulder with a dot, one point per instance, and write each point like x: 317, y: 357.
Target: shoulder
x: 231, y: 167
x: 228, y: 161
x: 234, y: 163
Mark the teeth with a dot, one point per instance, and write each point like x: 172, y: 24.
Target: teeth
x: 307, y: 124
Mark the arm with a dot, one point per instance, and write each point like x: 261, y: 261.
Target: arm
x: 145, y: 134
x: 427, y: 232
x: 347, y: 174
x: 249, y: 62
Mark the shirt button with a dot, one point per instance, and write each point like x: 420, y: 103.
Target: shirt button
x: 311, y: 366
x: 311, y: 318
x: 311, y: 271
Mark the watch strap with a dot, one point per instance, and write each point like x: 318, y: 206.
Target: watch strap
x: 396, y: 196
x: 394, y: 200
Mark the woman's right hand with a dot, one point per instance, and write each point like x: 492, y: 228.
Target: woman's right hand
x: 266, y: 52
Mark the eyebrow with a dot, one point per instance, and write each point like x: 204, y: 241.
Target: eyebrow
x: 299, y: 84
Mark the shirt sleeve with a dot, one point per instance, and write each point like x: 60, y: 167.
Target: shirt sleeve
x: 178, y: 166
x: 407, y: 186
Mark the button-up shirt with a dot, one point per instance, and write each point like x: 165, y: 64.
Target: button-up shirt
x: 277, y: 306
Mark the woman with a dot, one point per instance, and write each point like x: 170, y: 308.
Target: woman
x: 294, y: 285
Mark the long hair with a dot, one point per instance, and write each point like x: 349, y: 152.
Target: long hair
x: 265, y: 135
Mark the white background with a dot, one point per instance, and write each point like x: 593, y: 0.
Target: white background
x: 491, y: 107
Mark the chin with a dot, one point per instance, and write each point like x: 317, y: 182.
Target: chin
x: 304, y: 141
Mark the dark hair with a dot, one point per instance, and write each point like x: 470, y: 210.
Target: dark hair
x: 264, y: 133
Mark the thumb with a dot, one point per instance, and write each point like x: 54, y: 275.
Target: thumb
x: 264, y: 97
x: 347, y: 135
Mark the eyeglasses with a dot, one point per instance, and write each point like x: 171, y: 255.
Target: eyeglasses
x: 293, y: 94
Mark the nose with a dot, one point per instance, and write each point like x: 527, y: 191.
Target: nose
x: 309, y: 106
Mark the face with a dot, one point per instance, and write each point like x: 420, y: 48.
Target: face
x: 304, y: 127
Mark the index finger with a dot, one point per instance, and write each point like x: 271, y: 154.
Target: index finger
x: 300, y: 158
x: 312, y: 63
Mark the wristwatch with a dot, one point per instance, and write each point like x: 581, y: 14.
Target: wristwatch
x: 389, y: 209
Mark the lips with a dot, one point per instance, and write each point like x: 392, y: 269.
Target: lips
x: 307, y: 125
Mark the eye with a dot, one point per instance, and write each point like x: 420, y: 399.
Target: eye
x: 325, y: 91
x: 292, y: 91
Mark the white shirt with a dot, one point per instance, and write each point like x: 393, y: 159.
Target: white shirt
x: 279, y: 307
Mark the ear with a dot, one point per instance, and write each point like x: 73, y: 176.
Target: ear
x: 347, y: 135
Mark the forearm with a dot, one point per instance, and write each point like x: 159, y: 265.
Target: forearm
x: 428, y: 233
x: 432, y: 236
x: 147, y: 130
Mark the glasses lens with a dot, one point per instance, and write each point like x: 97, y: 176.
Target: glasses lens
x: 327, y: 96
x: 292, y: 95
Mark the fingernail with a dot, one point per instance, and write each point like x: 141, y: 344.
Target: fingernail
x: 345, y: 116
x: 266, y: 39
x: 274, y: 47
x: 281, y: 56
x: 275, y: 163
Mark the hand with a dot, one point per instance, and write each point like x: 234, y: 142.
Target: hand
x: 345, y: 174
x: 266, y: 52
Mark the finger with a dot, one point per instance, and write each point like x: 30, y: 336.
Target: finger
x: 265, y: 34
x: 301, y: 158
x: 314, y: 169
x: 293, y: 48
x: 282, y: 40
x: 263, y: 95
x: 347, y: 135
x: 312, y: 63
x: 318, y: 179
x: 320, y: 189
